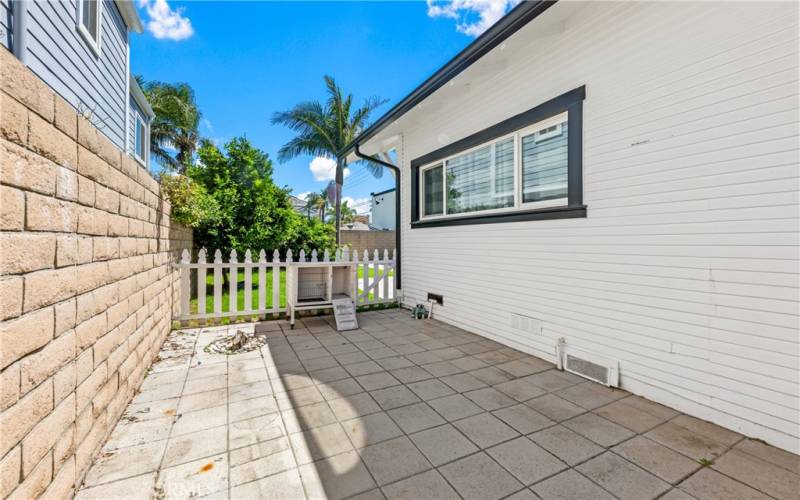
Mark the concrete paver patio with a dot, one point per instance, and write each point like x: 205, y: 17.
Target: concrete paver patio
x: 409, y: 409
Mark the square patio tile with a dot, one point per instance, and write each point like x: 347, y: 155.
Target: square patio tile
x: 196, y: 444
x: 416, y: 417
x: 554, y: 407
x: 570, y: 485
x: 428, y: 485
x: 308, y: 417
x: 523, y: 418
x: 771, y: 454
x: 371, y: 429
x: 251, y: 408
x: 527, y: 461
x: 199, y: 420
x: 134, y: 488
x: 601, y: 431
x: 337, y: 477
x: 329, y: 374
x: 363, y: 368
x: 202, y: 400
x: 519, y: 389
x: 622, y: 478
x: 126, y: 462
x: 629, y: 417
x: 567, y: 445
x: 455, y: 407
x: 339, y: 388
x: 256, y: 451
x: 255, y: 430
x: 485, y: 430
x: 321, y: 442
x: 411, y: 374
x: 353, y: 406
x: 763, y: 476
x: 553, y: 380
x: 478, y: 477
x: 443, y: 444
x: 134, y: 433
x: 194, y: 479
x: 394, y: 397
x: 588, y: 395
x: 430, y: 389
x: 281, y: 486
x: 377, y: 381
x: 262, y: 467
x: 394, y: 363
x: 713, y: 431
x: 392, y: 460
x: 462, y: 382
x: 709, y: 483
x: 682, y: 440
x: 468, y: 363
x: 491, y: 375
x: 665, y: 463
x: 442, y: 368
x: 490, y: 399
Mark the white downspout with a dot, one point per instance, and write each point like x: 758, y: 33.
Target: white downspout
x: 127, y: 92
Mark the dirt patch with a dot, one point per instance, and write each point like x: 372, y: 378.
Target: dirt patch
x: 237, y: 343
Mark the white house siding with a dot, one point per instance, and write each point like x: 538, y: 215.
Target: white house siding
x: 61, y: 57
x: 686, y: 268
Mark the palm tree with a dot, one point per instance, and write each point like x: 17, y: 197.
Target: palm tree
x: 324, y: 129
x: 347, y: 214
x: 175, y: 124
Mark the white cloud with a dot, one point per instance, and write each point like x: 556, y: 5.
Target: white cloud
x: 303, y: 196
x: 324, y: 169
x: 473, y: 17
x: 165, y: 22
x: 361, y: 205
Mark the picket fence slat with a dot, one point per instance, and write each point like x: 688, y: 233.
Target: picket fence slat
x: 371, y: 290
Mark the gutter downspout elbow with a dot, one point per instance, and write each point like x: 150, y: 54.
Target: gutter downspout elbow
x: 396, y: 169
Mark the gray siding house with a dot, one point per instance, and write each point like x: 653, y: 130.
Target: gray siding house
x: 81, y: 49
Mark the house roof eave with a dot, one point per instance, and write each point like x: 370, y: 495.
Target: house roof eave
x: 512, y: 22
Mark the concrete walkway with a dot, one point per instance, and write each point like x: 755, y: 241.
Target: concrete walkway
x: 409, y: 409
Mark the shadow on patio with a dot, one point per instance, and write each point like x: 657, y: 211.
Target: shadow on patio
x: 408, y: 409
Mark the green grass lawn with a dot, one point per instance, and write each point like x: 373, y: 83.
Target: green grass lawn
x: 371, y: 273
x: 240, y: 306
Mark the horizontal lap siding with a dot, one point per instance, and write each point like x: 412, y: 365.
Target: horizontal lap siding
x: 686, y: 268
x: 59, y: 55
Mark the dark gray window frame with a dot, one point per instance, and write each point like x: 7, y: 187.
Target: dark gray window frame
x: 572, y: 102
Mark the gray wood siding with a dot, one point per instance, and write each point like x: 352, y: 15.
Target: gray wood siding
x: 59, y: 55
x: 5, y: 24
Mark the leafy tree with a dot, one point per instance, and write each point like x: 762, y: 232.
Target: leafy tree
x: 192, y: 206
x: 253, y: 212
x: 347, y: 214
x: 175, y: 125
x: 324, y: 129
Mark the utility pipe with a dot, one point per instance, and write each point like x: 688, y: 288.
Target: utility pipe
x: 398, y: 260
x: 19, y: 30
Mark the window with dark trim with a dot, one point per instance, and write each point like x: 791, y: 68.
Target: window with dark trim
x: 527, y: 167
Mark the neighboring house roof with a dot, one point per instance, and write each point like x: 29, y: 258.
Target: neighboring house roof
x: 128, y: 11
x: 298, y: 204
x: 382, y: 192
x: 141, y: 100
x: 512, y: 22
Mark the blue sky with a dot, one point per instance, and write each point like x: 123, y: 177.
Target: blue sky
x: 247, y: 60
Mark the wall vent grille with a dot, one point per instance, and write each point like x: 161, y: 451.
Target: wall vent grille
x: 589, y: 365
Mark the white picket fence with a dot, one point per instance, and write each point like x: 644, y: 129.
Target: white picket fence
x: 267, y: 294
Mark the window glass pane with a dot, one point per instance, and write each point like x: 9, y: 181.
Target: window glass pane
x: 482, y: 179
x: 432, y: 188
x: 140, y: 138
x: 544, y: 164
x: 89, y: 15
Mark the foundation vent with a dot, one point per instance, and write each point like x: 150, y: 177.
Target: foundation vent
x: 589, y: 365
